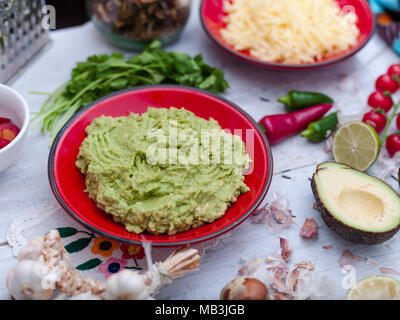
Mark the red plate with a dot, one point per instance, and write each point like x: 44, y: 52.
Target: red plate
x: 211, y: 15
x: 68, y: 183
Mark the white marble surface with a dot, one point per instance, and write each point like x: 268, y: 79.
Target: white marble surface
x: 24, y: 185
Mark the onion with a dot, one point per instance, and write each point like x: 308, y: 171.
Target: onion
x: 245, y: 288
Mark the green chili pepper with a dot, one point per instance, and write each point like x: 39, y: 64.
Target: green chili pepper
x: 319, y: 130
x: 298, y: 100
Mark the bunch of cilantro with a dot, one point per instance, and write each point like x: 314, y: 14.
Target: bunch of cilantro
x: 101, y: 75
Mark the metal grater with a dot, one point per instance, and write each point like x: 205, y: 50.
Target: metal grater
x: 21, y: 34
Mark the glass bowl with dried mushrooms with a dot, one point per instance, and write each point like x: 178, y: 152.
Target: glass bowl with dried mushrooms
x: 132, y: 24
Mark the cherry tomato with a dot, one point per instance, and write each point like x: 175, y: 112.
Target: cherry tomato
x: 393, y: 144
x: 8, y: 132
x: 398, y: 122
x: 9, y: 126
x: 387, y: 83
x: 4, y: 120
x: 394, y: 70
x: 3, y: 143
x: 375, y: 119
x: 378, y: 100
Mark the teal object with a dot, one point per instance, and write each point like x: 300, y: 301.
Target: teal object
x: 388, y: 25
x: 393, y: 5
x: 376, y: 7
x: 396, y: 46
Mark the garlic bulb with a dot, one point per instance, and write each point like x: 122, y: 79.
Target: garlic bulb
x: 85, y: 296
x: 127, y: 285
x: 131, y: 285
x: 44, y: 265
x: 72, y: 283
x: 31, y: 280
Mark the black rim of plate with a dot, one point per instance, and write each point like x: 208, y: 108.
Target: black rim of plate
x: 157, y: 244
x: 282, y: 66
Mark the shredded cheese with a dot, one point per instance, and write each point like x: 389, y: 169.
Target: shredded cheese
x: 289, y: 31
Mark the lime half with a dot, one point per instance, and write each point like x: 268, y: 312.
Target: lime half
x: 357, y: 145
x: 375, y: 288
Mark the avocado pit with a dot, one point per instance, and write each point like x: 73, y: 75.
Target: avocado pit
x: 359, y: 203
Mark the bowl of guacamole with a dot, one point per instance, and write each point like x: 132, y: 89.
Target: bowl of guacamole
x: 167, y: 164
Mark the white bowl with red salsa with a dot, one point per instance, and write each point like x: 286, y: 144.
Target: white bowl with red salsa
x: 14, y: 123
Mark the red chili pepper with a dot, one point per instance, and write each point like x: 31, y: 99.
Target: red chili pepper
x: 281, y: 126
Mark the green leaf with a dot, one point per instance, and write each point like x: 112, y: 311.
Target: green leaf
x: 208, y: 83
x: 156, y: 44
x: 78, y: 245
x: 67, y: 232
x: 91, y: 264
x: 119, y: 84
x: 103, y: 74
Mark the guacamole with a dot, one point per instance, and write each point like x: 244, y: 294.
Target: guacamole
x: 164, y: 171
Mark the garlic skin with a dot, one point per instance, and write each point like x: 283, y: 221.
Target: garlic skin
x: 250, y: 268
x: 127, y: 285
x: 286, y: 249
x: 32, y: 250
x: 31, y: 280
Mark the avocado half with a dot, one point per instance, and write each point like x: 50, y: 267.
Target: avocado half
x: 358, y: 207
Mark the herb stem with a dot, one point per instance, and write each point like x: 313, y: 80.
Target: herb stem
x: 101, y: 75
x: 388, y: 123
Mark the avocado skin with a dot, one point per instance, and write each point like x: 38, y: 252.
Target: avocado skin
x: 349, y: 233
x: 398, y: 177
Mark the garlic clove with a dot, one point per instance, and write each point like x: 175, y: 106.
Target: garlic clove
x: 250, y: 268
x: 181, y: 261
x: 287, y: 249
x: 278, y: 282
x: 127, y: 285
x: 310, y: 229
x: 31, y: 280
x: 281, y: 296
x: 279, y: 216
